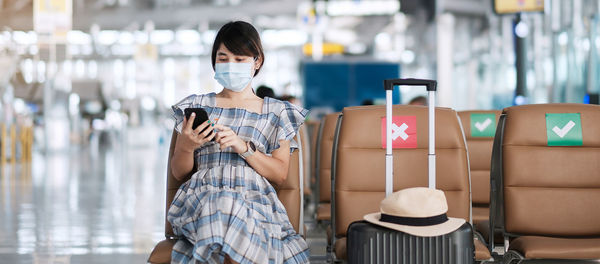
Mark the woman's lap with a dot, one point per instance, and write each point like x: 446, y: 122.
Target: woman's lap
x: 225, y: 221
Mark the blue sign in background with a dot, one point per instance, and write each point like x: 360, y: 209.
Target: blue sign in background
x: 341, y: 84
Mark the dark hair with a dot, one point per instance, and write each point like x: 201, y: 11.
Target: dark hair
x: 419, y: 100
x: 287, y: 97
x: 265, y: 91
x: 241, y: 39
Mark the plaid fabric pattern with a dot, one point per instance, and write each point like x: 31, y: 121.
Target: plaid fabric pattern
x: 226, y: 208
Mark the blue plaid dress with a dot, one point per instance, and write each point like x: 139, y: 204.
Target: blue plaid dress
x: 228, y: 208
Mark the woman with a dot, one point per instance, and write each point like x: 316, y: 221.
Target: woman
x: 228, y: 212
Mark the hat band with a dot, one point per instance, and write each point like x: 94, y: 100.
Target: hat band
x: 414, y: 221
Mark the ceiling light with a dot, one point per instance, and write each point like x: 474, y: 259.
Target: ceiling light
x: 187, y: 37
x: 24, y: 38
x: 126, y: 38
x: 408, y: 56
x: 108, y: 37
x: 161, y: 37
x: 279, y: 38
x: 521, y: 29
x: 141, y: 37
x: 357, y: 48
x: 78, y: 37
x: 209, y: 36
x: 362, y: 8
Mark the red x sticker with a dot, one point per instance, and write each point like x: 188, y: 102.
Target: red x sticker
x: 404, y: 132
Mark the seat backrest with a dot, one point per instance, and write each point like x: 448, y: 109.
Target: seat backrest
x: 480, y: 137
x: 172, y: 185
x: 324, y: 166
x: 313, y: 128
x: 359, y: 180
x: 289, y: 192
x: 306, y: 154
x: 551, y: 170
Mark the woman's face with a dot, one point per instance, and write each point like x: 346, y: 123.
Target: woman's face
x: 225, y: 56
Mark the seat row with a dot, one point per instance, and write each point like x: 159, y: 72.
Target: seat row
x: 545, y: 179
x: 544, y: 195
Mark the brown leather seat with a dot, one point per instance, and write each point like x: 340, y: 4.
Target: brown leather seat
x: 481, y: 251
x: 480, y: 153
x: 360, y: 165
x: 534, y: 247
x: 306, y: 157
x: 289, y: 193
x: 162, y: 251
x: 324, y: 166
x: 550, y: 193
x: 313, y: 128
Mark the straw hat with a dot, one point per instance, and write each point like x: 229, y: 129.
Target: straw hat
x: 417, y: 211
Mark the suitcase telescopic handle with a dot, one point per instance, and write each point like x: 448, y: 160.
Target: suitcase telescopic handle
x: 389, y: 85
x: 431, y: 85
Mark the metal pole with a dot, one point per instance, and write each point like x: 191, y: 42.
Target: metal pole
x: 431, y: 154
x: 520, y: 60
x: 389, y: 160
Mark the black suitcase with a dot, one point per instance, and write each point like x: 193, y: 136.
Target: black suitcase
x: 369, y: 243
x: 373, y: 244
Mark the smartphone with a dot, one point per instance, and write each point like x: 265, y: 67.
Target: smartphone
x: 201, y: 117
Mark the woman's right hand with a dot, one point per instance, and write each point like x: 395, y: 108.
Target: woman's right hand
x: 191, y: 139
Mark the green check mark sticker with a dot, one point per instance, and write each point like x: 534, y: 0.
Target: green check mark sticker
x: 483, y: 125
x: 564, y: 129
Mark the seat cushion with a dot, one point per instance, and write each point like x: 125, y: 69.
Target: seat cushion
x: 480, y: 214
x: 481, y: 251
x: 324, y: 211
x: 340, y: 248
x: 162, y: 252
x: 533, y: 247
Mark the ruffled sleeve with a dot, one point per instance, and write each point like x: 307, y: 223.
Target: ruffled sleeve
x: 291, y: 117
x: 188, y: 102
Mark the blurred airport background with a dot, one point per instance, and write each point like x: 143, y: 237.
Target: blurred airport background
x: 86, y: 88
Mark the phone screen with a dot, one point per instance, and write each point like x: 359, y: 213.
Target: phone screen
x: 201, y: 117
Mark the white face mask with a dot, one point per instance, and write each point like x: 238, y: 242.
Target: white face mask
x: 234, y: 76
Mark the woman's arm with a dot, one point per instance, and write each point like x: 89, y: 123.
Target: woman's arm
x: 182, y: 162
x: 274, y: 168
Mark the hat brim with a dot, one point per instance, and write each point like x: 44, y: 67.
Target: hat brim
x: 424, y: 231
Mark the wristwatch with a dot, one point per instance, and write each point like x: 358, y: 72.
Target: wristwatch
x: 250, y: 151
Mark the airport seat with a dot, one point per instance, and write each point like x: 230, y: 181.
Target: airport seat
x: 306, y: 160
x: 479, y: 146
x: 289, y: 193
x: 359, y: 166
x: 162, y: 251
x: 545, y: 167
x: 313, y: 128
x: 325, y: 143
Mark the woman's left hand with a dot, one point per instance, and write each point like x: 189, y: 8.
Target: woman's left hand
x: 227, y: 138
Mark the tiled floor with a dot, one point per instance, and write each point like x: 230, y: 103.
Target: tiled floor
x: 84, y: 206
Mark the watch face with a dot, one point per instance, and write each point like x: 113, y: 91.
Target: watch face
x: 252, y: 146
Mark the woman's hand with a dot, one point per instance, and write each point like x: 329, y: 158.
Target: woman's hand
x: 227, y: 138
x: 191, y: 139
